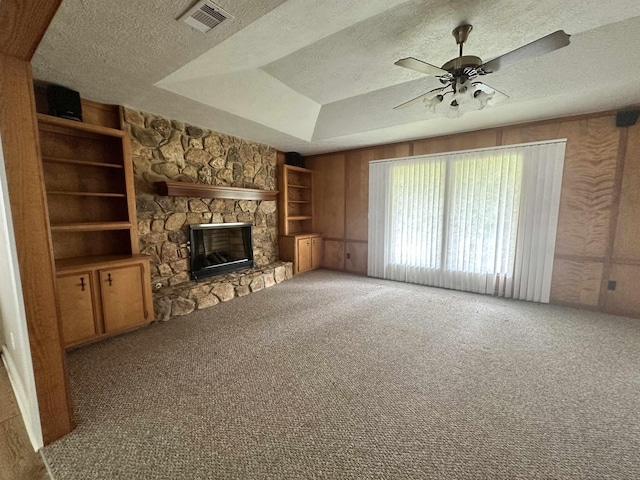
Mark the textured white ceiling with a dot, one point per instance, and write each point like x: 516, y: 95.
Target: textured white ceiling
x: 316, y: 76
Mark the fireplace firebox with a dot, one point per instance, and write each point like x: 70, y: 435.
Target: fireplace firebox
x: 218, y: 248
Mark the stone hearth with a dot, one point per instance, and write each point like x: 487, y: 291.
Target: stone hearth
x: 185, y: 298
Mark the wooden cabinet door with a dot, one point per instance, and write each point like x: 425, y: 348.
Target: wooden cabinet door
x: 123, y: 303
x: 77, y: 314
x: 316, y: 252
x: 304, y: 255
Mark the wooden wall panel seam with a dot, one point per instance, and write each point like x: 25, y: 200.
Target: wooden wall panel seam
x: 578, y: 258
x: 625, y: 261
x: 615, y: 207
x: 344, y: 228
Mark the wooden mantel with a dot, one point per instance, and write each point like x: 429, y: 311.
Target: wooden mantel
x: 199, y: 190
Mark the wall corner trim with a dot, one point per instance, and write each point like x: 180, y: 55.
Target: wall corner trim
x: 32, y: 425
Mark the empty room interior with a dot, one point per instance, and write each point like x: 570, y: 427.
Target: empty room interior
x: 296, y: 239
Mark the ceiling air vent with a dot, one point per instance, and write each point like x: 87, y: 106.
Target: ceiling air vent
x: 205, y: 15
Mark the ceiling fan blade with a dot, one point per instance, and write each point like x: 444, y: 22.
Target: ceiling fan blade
x: 543, y: 45
x: 488, y: 89
x: 418, y: 99
x: 420, y: 66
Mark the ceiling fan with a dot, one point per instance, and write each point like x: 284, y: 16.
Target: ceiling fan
x: 460, y: 75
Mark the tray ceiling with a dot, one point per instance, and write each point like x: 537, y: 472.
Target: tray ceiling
x: 315, y: 76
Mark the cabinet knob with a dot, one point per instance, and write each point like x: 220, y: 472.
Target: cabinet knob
x: 109, y: 279
x: 82, y: 284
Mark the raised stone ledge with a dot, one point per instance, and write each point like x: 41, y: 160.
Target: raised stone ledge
x: 186, y: 297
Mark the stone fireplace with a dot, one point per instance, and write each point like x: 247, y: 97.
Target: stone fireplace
x: 168, y: 150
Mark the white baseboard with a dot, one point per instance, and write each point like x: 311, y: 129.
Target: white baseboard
x: 26, y: 408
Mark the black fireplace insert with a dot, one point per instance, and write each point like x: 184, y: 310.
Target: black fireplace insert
x: 218, y: 248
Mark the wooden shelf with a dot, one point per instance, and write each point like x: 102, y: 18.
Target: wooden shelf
x: 75, y: 263
x: 296, y: 204
x: 85, y: 127
x: 303, y: 234
x: 293, y: 168
x: 90, y: 227
x: 84, y: 163
x: 198, y: 190
x: 90, y: 194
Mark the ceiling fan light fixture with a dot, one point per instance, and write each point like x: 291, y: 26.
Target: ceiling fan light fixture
x: 464, y: 90
x: 483, y: 97
x: 454, y: 110
x: 431, y: 104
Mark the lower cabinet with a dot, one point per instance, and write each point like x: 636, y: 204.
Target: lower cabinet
x: 304, y: 250
x: 304, y: 255
x: 316, y: 252
x: 103, y: 299
x: 77, y: 307
x: 122, y: 297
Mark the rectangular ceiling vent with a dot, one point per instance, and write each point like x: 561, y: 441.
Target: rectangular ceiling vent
x: 205, y: 16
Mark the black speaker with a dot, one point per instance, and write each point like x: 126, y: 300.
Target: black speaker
x: 294, y: 158
x: 628, y: 118
x: 64, y: 102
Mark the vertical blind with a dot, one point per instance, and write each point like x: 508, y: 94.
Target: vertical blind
x: 481, y: 220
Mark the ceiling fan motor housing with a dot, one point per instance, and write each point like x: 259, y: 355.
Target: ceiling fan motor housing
x: 460, y: 63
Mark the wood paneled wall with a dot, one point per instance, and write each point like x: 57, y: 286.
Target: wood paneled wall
x: 341, y: 203
x: 599, y: 221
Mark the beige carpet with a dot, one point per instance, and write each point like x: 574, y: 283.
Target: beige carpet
x: 335, y: 376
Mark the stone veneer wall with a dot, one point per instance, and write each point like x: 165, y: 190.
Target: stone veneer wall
x: 168, y: 150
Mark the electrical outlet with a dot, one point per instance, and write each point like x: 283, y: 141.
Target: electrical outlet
x: 611, y: 285
x: 13, y: 340
x: 348, y: 256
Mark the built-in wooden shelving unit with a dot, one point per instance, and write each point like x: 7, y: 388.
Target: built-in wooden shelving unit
x: 298, y: 243
x: 103, y: 283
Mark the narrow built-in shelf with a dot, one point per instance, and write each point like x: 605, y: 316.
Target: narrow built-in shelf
x: 297, y: 186
x: 84, y: 163
x: 89, y: 194
x: 75, y: 125
x: 64, y: 264
x: 300, y: 217
x: 297, y: 169
x: 303, y: 234
x: 90, y: 227
x: 184, y: 189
